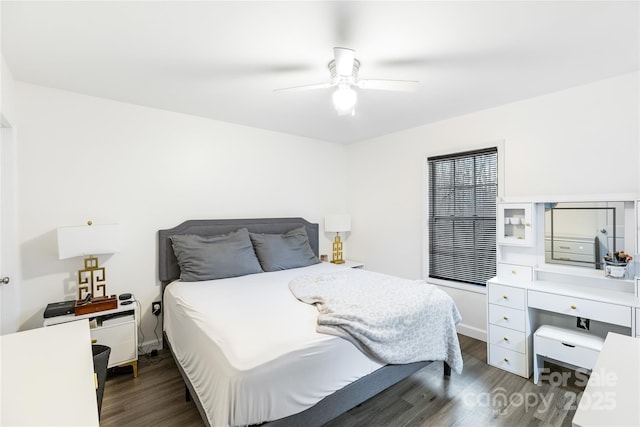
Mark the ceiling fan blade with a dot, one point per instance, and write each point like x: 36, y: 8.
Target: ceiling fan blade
x: 396, y: 85
x: 304, y: 87
x: 344, y: 60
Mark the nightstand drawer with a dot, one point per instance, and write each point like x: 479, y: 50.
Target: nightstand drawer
x: 507, y: 338
x: 121, y: 339
x: 507, y: 296
x: 507, y: 317
x: 508, y: 360
x: 595, y: 310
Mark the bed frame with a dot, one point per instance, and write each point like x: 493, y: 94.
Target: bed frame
x: 331, y: 406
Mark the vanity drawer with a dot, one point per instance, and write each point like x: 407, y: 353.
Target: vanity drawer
x: 515, y: 273
x: 507, y: 338
x: 595, y: 310
x: 507, y: 317
x: 508, y: 360
x: 507, y: 296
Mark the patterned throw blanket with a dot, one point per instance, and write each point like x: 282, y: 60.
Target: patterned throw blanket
x: 391, y: 319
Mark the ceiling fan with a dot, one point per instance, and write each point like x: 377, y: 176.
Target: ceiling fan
x: 344, y: 75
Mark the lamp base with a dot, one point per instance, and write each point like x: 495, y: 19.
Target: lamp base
x: 337, y: 250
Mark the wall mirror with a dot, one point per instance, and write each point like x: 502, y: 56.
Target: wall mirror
x: 582, y: 233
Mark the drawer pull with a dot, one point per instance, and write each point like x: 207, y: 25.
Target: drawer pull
x: 573, y: 307
x: 506, y: 360
x: 506, y: 339
x: 505, y: 317
x: 505, y: 297
x: 514, y: 272
x: 94, y: 340
x: 568, y: 345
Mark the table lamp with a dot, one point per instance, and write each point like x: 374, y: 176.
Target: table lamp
x: 336, y: 224
x: 89, y: 240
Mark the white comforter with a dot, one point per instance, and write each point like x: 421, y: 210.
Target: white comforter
x: 392, y: 319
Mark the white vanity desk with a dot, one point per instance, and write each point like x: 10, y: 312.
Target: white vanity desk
x: 595, y: 303
x: 518, y: 305
x: 528, y: 292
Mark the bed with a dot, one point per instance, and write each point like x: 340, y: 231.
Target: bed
x: 247, y: 347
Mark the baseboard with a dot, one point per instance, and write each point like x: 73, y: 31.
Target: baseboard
x: 472, y: 331
x: 147, y: 346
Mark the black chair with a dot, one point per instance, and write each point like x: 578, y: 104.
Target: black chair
x: 100, y: 362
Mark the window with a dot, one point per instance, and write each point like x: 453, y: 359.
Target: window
x: 462, y: 192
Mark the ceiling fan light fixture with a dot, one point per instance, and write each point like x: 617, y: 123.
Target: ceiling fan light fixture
x: 343, y: 70
x: 344, y: 99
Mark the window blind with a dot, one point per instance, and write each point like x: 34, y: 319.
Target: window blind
x: 462, y: 192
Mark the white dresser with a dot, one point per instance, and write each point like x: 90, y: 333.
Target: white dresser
x: 509, y: 338
x: 579, y: 251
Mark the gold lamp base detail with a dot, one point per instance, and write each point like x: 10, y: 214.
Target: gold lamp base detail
x: 91, y: 279
x: 337, y: 250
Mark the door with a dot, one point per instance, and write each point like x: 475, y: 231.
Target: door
x: 9, y: 296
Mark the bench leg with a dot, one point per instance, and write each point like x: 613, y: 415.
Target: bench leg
x: 538, y: 363
x: 447, y: 370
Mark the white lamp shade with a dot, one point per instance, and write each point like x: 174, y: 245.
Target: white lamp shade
x: 337, y: 223
x: 88, y: 240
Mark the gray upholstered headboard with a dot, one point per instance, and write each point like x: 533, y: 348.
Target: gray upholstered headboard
x: 168, y: 264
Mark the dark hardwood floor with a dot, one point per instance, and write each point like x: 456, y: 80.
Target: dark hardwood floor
x: 481, y: 396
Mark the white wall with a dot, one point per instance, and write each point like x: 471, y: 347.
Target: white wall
x: 584, y: 140
x: 7, y: 91
x: 83, y: 158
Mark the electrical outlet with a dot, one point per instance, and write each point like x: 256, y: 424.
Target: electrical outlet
x: 156, y: 308
x: 582, y: 323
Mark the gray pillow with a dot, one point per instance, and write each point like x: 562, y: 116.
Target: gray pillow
x: 215, y: 257
x: 284, y: 251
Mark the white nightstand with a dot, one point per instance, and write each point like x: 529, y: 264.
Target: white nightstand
x: 115, y: 328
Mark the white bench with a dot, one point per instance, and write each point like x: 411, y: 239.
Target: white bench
x: 578, y: 349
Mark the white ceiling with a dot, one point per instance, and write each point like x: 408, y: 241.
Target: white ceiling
x: 223, y: 59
